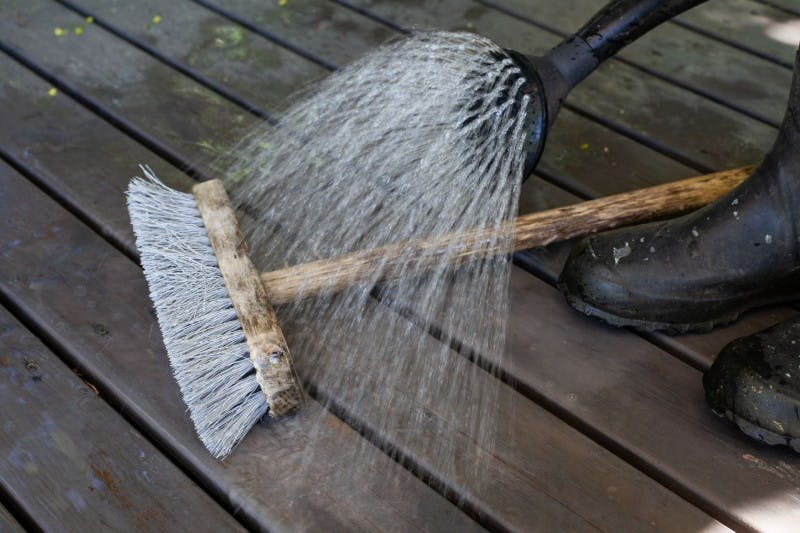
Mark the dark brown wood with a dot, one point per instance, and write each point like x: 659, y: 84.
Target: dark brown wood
x: 72, y: 463
x: 267, y: 348
x: 533, y: 454
x: 530, y: 230
x: 629, y: 98
x: 261, y: 71
x: 525, y: 496
x: 662, y: 502
x: 649, y: 406
x: 318, y: 26
x: 644, y: 403
x: 156, y: 99
x: 94, y: 303
x: 622, y: 168
x: 789, y: 6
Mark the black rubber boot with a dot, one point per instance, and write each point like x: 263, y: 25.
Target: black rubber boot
x: 755, y: 382
x: 705, y: 268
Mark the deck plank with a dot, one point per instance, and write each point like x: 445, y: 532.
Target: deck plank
x: 193, y: 121
x: 221, y: 50
x: 94, y: 304
x: 746, y: 81
x: 72, y: 462
x: 644, y: 105
x: 648, y: 404
x: 769, y: 31
x: 645, y: 405
x: 788, y: 6
x: 570, y: 462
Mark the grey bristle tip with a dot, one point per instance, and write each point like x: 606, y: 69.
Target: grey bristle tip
x: 201, y: 331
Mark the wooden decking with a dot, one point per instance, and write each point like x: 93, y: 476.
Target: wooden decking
x: 608, y: 430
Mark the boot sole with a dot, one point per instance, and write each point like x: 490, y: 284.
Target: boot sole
x: 773, y: 298
x: 649, y: 325
x: 761, y: 434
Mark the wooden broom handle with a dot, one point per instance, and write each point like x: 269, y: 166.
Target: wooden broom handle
x: 531, y: 230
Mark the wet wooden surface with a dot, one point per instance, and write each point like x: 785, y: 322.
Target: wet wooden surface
x: 610, y: 428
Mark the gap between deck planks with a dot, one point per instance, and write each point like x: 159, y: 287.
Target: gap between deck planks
x: 109, y: 333
x: 790, y: 7
x: 8, y: 523
x: 71, y: 462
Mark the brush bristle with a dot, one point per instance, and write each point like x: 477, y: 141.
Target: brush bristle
x: 201, y: 330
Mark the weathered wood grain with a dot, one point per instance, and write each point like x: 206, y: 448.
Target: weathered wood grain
x: 272, y: 360
x: 225, y: 52
x: 645, y: 106
x: 557, y: 509
x: 642, y: 403
x: 649, y: 406
x: 789, y: 6
x: 191, y: 120
x: 769, y: 31
x: 318, y: 26
x: 727, y: 74
x: 527, y: 456
x: 93, y: 302
x: 72, y: 463
x: 572, y: 139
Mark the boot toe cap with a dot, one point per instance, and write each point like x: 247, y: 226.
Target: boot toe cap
x: 752, y: 384
x: 593, y: 283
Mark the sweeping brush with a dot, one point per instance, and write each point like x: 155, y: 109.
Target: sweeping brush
x: 227, y: 352
x: 226, y: 349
